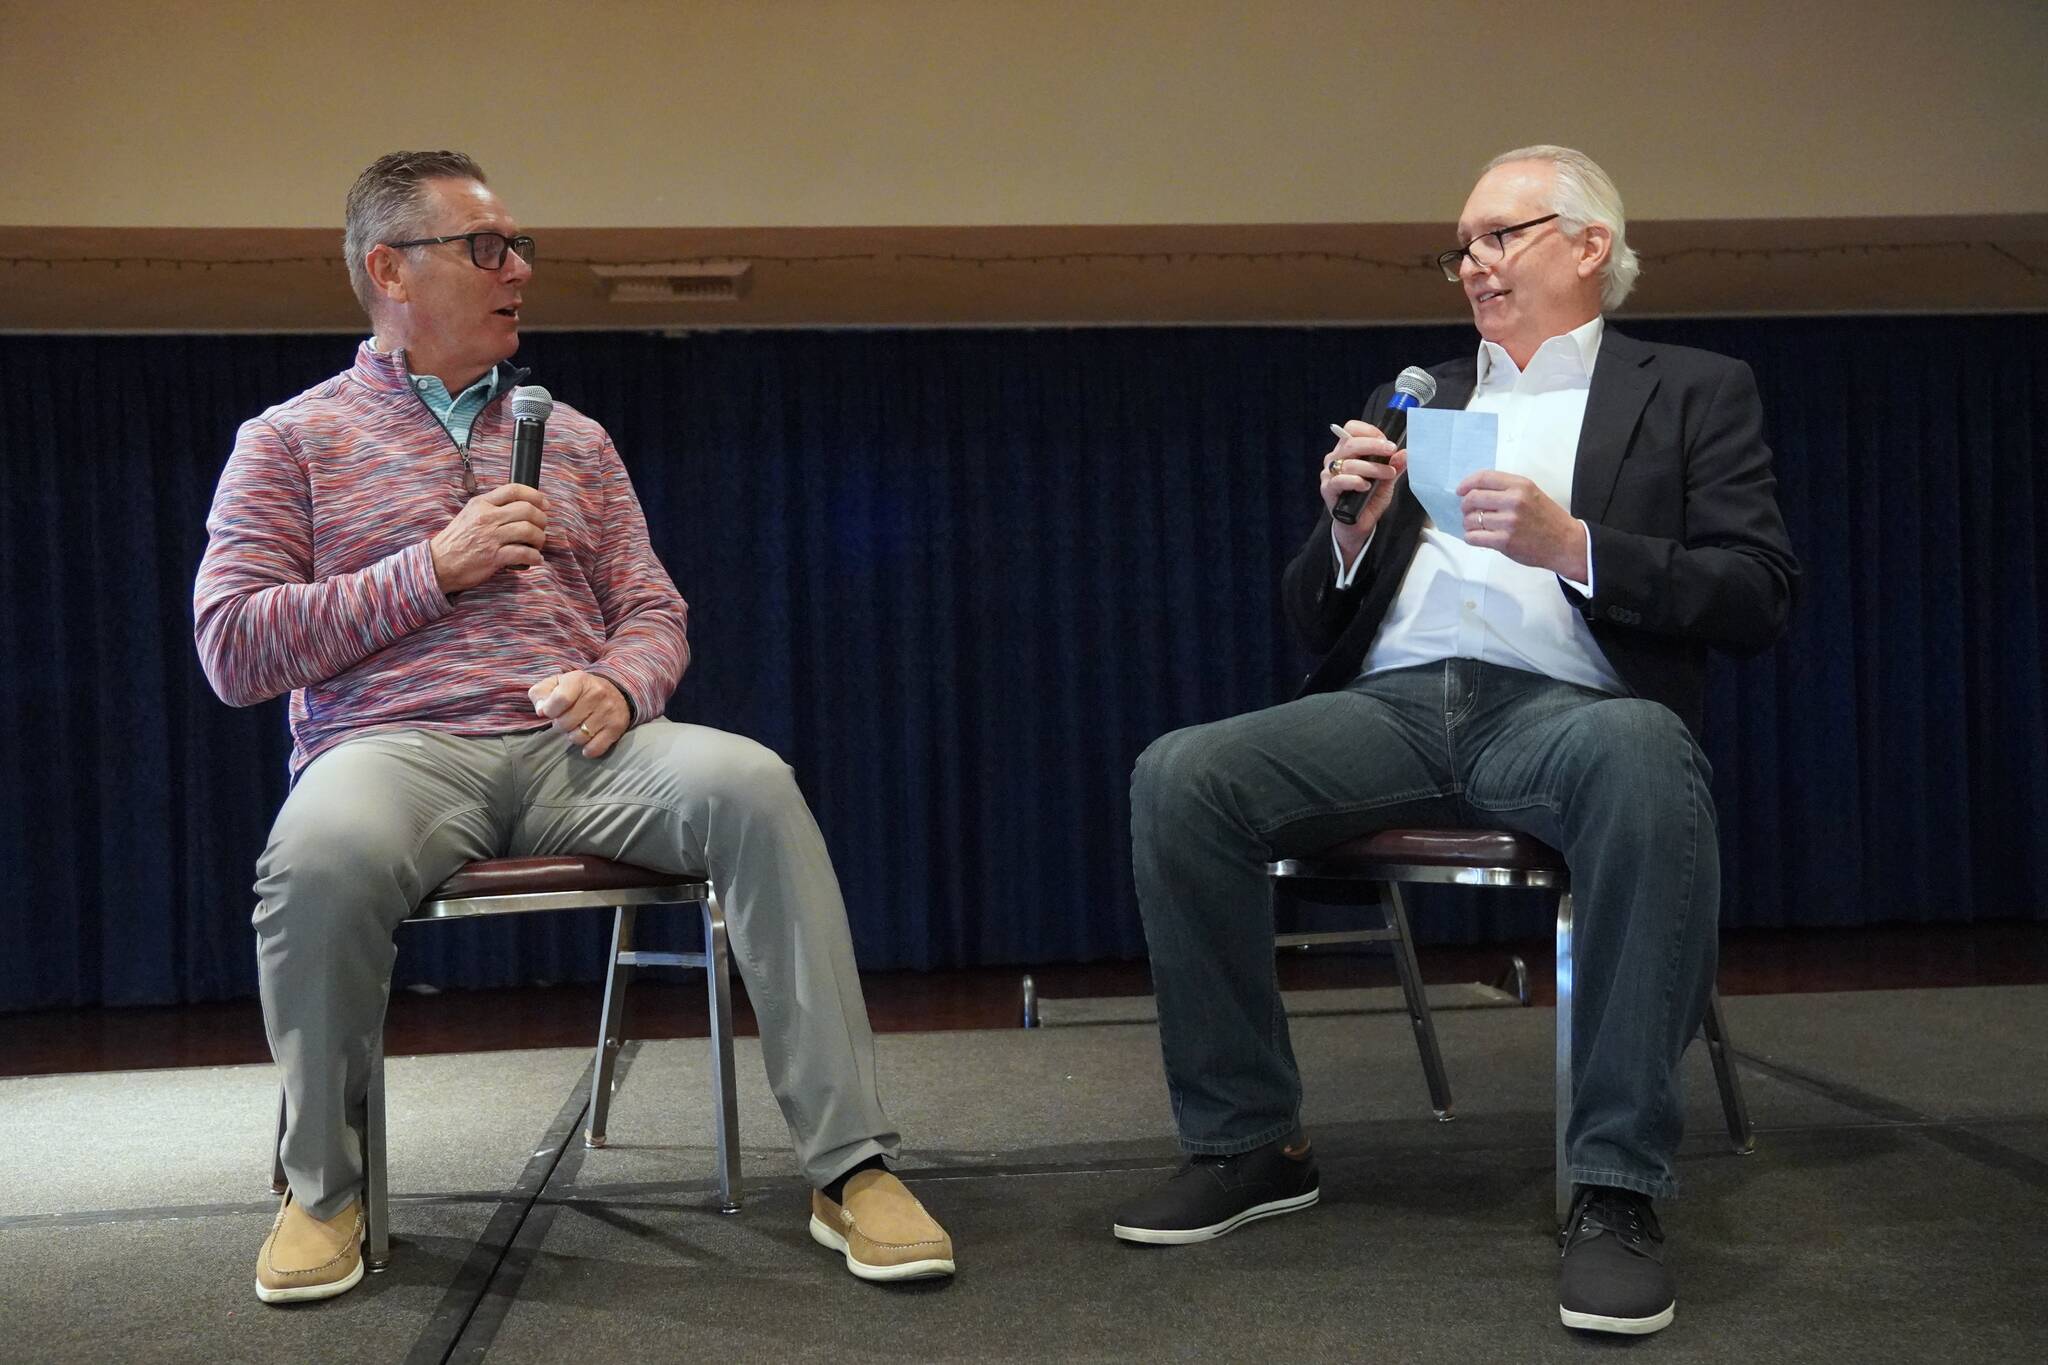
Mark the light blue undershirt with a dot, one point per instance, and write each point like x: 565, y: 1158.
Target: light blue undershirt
x: 458, y: 413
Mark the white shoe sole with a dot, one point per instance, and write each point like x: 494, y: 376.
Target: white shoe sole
x: 304, y: 1293
x: 1181, y: 1236
x: 1634, y: 1327
x: 824, y: 1236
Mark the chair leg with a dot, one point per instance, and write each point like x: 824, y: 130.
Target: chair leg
x: 1564, y: 1053
x: 376, y: 1202
x: 1734, y: 1108
x: 611, y: 1028
x: 279, y: 1183
x: 1419, y: 1017
x: 718, y: 983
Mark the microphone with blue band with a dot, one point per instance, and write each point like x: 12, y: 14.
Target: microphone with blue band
x: 1413, y: 388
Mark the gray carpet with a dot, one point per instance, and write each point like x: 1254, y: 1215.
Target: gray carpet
x: 1894, y: 1211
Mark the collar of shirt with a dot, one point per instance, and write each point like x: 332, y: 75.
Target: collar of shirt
x: 1568, y: 357
x: 457, y: 412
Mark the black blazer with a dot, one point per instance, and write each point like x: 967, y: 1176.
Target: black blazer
x: 1674, y: 481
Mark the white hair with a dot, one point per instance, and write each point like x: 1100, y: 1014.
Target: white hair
x: 1583, y: 193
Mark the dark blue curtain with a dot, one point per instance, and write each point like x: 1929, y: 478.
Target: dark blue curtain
x: 961, y: 578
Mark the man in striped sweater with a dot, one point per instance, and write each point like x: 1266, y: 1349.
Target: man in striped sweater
x: 478, y: 669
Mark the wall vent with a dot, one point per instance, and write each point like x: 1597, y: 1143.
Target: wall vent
x: 676, y: 281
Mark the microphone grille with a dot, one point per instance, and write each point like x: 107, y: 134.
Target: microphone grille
x: 1417, y: 381
x: 531, y: 400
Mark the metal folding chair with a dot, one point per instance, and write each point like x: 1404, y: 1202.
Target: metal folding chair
x: 499, y: 886
x: 1372, y: 870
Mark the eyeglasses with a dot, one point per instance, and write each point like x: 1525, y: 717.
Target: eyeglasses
x: 1488, y: 248
x: 486, y: 249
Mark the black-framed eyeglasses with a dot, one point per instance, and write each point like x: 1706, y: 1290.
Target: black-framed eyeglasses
x: 1486, y: 249
x: 486, y: 249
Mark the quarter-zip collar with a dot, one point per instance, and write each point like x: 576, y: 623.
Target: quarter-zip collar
x: 389, y: 371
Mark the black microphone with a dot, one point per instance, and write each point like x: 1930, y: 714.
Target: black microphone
x: 531, y: 405
x: 1413, y: 388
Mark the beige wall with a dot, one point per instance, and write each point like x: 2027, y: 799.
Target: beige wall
x: 629, y: 113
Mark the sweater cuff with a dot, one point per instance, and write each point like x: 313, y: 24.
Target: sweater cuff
x: 639, y: 700
x: 625, y: 694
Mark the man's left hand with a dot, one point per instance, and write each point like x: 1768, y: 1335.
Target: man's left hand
x: 1507, y: 512
x: 583, y: 706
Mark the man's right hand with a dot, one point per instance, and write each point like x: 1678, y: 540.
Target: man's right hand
x: 1364, y: 456
x: 507, y: 525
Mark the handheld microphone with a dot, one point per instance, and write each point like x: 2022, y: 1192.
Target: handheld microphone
x: 531, y: 405
x: 1414, y: 387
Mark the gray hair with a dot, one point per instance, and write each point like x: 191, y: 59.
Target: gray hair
x: 1583, y: 193
x: 388, y: 202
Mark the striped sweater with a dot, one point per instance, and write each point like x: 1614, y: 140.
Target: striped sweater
x: 317, y: 577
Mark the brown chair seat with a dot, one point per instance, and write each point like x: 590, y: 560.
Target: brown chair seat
x: 1445, y: 848
x: 535, y: 876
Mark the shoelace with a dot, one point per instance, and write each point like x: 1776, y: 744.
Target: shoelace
x: 1633, y: 1224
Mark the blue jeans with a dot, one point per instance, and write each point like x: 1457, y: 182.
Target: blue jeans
x: 1616, y: 784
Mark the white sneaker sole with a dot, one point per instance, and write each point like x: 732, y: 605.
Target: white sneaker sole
x: 1634, y: 1327
x: 304, y: 1293
x: 824, y: 1236
x: 1181, y: 1236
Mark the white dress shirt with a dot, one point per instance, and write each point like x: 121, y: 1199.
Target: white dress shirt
x: 1463, y: 601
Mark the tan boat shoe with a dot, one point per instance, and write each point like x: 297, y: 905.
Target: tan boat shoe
x: 884, y: 1231
x: 310, y: 1258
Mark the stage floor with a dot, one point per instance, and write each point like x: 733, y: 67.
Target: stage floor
x: 1894, y: 1210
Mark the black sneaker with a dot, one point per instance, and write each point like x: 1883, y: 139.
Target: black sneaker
x: 1212, y: 1195
x: 1613, y: 1277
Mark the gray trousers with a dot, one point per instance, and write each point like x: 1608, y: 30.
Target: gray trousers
x: 375, y: 823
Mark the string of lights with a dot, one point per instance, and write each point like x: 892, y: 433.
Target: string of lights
x: 1425, y: 266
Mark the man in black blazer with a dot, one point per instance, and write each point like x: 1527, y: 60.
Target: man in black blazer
x: 1539, y: 667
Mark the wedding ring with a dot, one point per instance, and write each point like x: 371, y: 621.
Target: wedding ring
x: 1336, y: 466
x: 585, y: 730
x: 1482, y: 521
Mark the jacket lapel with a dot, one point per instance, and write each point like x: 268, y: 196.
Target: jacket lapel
x: 1624, y: 377
x: 1454, y: 384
